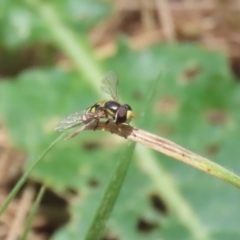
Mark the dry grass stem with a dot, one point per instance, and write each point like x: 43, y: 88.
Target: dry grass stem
x: 166, y: 20
x: 166, y: 147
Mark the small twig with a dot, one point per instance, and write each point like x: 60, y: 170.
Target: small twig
x: 179, y: 6
x: 146, y: 15
x: 166, y: 147
x: 165, y: 16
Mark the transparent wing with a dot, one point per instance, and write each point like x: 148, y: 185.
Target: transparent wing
x: 109, y: 85
x: 74, y: 120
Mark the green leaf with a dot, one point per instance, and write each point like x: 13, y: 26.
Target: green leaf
x: 183, y: 112
x: 196, y: 106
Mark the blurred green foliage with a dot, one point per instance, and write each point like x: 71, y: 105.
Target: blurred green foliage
x: 197, y: 106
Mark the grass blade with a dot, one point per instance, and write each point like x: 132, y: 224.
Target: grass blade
x: 111, y: 194
x: 25, y: 176
x: 33, y: 213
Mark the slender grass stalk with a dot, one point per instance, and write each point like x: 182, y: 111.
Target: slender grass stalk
x: 22, y: 180
x: 75, y: 47
x: 168, y: 148
x: 33, y: 213
x: 110, y: 196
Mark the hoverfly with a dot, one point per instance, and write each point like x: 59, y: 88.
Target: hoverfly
x: 111, y: 110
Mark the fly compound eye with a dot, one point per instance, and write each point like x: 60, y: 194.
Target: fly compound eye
x: 122, y: 111
x: 123, y: 114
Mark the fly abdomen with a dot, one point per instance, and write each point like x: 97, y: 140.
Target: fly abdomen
x: 94, y: 108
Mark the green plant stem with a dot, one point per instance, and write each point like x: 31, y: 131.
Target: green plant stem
x: 76, y: 48
x: 111, y: 194
x: 23, y: 179
x: 33, y: 213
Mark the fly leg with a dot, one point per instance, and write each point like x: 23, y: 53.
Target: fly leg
x: 96, y: 121
x: 106, y: 123
x: 109, y: 118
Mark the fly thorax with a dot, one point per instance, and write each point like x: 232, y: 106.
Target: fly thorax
x: 112, y: 105
x: 111, y: 108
